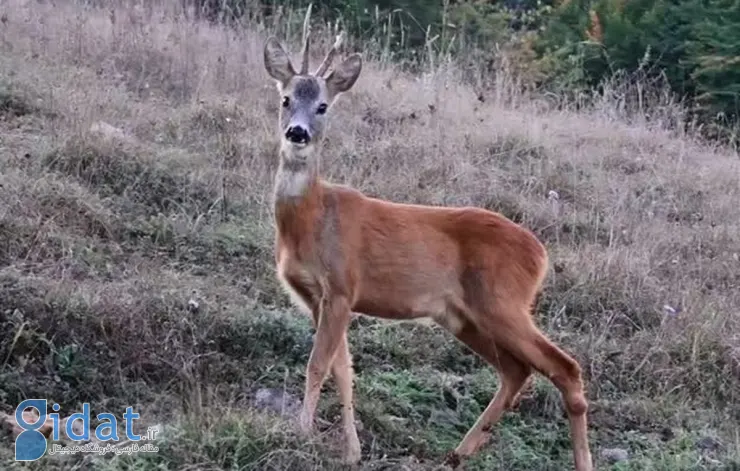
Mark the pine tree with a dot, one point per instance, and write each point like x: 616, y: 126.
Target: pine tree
x: 714, y: 56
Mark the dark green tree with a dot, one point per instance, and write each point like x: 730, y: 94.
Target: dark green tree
x: 713, y: 55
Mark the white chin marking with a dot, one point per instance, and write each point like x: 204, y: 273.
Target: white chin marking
x: 296, y: 149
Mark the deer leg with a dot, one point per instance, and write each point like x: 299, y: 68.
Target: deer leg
x: 342, y: 371
x: 525, y: 341
x: 331, y: 326
x: 518, y: 397
x: 514, y: 375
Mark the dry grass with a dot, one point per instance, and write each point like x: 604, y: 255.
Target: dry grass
x: 104, y: 240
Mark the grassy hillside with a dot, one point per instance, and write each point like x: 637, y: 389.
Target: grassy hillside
x: 136, y: 263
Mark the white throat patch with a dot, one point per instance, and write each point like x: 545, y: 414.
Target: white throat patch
x: 291, y: 183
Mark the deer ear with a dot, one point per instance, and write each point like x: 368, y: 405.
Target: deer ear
x: 277, y: 62
x: 345, y: 75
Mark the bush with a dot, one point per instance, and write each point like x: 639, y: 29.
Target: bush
x: 692, y: 44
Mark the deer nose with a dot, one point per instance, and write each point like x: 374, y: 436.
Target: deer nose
x: 297, y: 134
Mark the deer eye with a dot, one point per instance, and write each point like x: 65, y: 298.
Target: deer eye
x: 286, y: 102
x: 321, y: 109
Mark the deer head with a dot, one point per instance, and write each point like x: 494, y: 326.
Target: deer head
x: 306, y: 98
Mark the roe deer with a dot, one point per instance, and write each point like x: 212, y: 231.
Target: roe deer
x: 338, y: 251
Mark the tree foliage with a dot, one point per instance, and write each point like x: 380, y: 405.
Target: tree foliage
x: 713, y: 54
x: 693, y: 44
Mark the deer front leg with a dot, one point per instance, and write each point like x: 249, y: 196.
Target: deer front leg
x: 331, y: 326
x: 342, y: 371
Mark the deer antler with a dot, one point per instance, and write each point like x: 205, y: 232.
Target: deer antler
x: 330, y: 55
x: 306, y: 35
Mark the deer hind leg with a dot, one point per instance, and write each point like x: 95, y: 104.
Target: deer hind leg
x: 518, y: 398
x: 518, y: 334
x: 514, y: 375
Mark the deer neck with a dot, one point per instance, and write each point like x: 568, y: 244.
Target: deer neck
x: 297, y: 196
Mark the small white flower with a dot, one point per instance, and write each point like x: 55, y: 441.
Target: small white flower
x: 193, y: 305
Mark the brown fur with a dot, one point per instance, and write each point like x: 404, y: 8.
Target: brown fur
x: 472, y: 271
